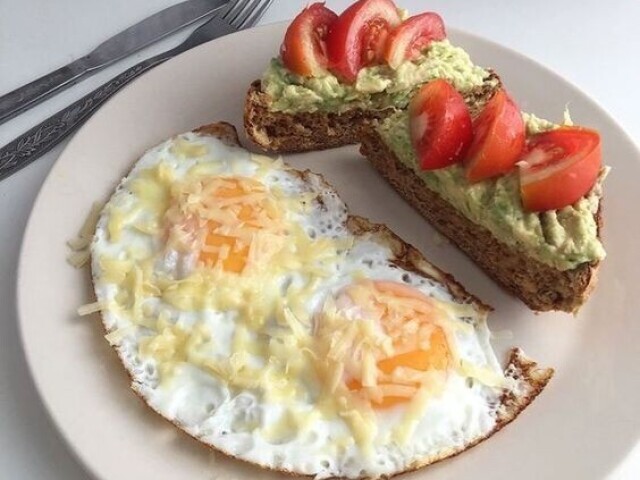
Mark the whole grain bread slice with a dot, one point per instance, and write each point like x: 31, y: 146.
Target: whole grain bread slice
x: 282, y: 132
x: 540, y: 286
x: 530, y: 378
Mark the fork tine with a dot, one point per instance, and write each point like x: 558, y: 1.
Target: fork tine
x: 253, y: 16
x: 242, y: 16
x: 242, y: 5
x: 235, y: 7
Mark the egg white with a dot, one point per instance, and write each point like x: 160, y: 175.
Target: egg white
x: 234, y: 421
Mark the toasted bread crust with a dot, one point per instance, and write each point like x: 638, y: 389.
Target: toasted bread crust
x: 300, y: 132
x: 519, y: 367
x: 538, y: 285
x: 281, y: 132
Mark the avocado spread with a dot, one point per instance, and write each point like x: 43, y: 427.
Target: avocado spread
x: 377, y: 87
x: 562, y: 238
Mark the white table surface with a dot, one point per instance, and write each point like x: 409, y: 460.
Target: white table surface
x: 592, y: 43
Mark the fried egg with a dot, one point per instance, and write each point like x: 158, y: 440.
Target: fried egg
x: 255, y: 314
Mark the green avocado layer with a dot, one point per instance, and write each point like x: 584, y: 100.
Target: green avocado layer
x: 377, y: 87
x: 562, y: 238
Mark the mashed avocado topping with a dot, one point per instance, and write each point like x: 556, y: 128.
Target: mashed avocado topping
x: 538, y: 125
x: 562, y: 238
x: 377, y: 87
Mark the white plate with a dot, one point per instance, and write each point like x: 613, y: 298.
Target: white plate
x: 582, y: 426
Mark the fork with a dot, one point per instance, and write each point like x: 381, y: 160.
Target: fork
x: 37, y: 141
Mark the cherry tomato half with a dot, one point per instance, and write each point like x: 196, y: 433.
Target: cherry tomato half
x: 499, y: 136
x: 559, y: 167
x: 304, y: 49
x: 440, y: 123
x: 414, y: 34
x: 359, y: 35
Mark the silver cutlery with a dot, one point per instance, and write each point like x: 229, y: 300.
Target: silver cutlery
x: 134, y: 38
x: 40, y: 139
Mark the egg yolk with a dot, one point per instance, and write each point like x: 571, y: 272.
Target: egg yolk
x: 236, y: 252
x: 419, y: 344
x: 228, y: 242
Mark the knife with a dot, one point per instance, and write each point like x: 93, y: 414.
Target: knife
x: 134, y: 38
x: 35, y: 142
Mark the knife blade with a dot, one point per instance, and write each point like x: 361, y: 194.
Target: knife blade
x: 130, y: 40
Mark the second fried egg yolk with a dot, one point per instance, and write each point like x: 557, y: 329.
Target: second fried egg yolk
x: 390, y: 340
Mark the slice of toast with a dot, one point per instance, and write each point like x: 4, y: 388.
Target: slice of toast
x: 529, y: 378
x: 282, y: 132
x: 540, y: 286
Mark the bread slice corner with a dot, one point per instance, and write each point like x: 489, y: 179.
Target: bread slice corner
x: 540, y: 286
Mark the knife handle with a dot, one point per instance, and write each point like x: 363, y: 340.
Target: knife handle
x: 25, y: 97
x: 43, y: 137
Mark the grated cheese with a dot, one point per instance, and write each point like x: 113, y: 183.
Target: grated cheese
x: 188, y: 149
x: 79, y: 259
x: 115, y: 337
x: 81, y: 254
x: 79, y: 243
x: 483, y: 375
x: 90, y: 308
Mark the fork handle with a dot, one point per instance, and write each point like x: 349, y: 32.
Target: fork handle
x: 37, y: 141
x: 20, y: 99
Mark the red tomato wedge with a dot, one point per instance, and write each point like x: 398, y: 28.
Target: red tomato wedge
x: 304, y: 50
x: 414, y: 35
x: 559, y: 167
x: 358, y: 37
x: 499, y: 136
x: 440, y: 124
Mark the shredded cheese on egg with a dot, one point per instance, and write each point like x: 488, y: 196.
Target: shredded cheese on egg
x: 245, y: 211
x: 483, y: 375
x: 292, y: 422
x: 89, y: 308
x: 79, y: 259
x: 79, y: 243
x: 81, y: 254
x: 115, y: 337
x: 174, y: 345
x: 188, y: 149
x: 402, y: 433
x: 362, y: 422
x: 350, y: 344
x: 233, y: 244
